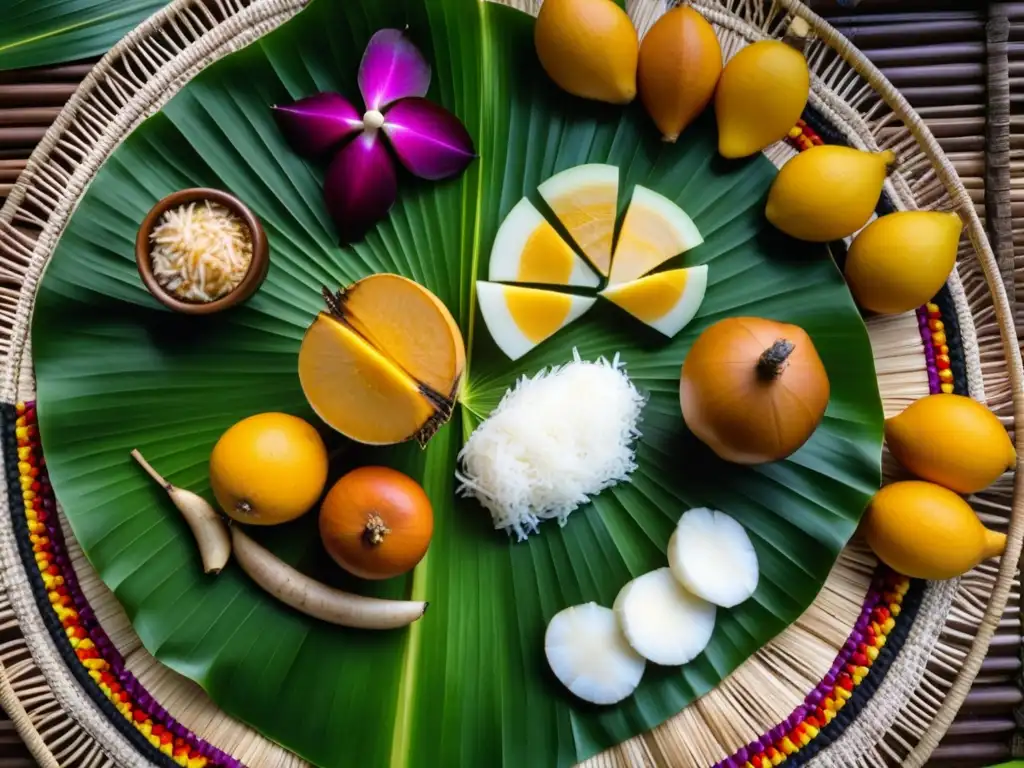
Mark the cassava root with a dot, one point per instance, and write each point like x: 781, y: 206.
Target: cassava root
x: 207, y: 526
x: 315, y: 599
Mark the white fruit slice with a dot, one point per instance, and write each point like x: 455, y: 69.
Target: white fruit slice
x: 664, y: 622
x: 655, y: 230
x: 711, y: 555
x: 521, y: 318
x: 666, y: 301
x: 589, y: 655
x: 586, y: 200
x: 528, y: 250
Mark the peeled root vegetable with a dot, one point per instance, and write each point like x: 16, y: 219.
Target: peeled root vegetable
x: 207, y: 526
x: 711, y: 555
x: 590, y: 656
x: 315, y: 599
x: 662, y: 621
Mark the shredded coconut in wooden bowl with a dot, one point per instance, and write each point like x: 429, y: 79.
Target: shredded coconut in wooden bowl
x: 200, y: 251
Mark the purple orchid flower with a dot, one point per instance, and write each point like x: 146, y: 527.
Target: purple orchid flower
x: 361, y: 184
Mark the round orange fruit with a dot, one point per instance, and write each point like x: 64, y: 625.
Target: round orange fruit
x: 268, y: 469
x: 376, y: 522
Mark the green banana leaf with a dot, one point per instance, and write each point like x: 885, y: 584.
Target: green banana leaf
x: 34, y: 33
x: 468, y: 684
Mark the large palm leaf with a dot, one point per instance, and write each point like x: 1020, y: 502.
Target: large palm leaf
x: 466, y: 685
x: 38, y: 32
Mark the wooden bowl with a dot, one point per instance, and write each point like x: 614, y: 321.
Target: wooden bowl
x: 258, y: 267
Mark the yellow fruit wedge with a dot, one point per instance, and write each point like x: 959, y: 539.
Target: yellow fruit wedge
x: 586, y: 201
x: 520, y: 318
x: 358, y: 391
x: 655, y: 230
x: 410, y: 326
x: 528, y: 250
x: 666, y: 301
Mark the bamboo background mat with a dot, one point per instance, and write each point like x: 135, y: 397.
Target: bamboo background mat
x: 961, y: 65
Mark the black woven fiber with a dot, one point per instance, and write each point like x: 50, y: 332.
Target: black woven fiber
x: 8, y: 419
x: 869, y: 685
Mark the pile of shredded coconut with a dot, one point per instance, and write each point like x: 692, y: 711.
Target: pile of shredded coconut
x: 554, y: 441
x: 200, y: 252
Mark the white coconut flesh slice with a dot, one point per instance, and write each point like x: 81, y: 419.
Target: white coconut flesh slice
x: 666, y: 301
x: 520, y: 318
x: 527, y: 249
x: 586, y: 201
x: 590, y: 656
x: 655, y: 230
x: 712, y: 556
x: 662, y: 621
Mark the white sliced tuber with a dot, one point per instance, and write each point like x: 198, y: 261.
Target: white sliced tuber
x: 712, y: 556
x: 589, y: 655
x: 662, y: 621
x: 315, y: 599
x: 208, y: 528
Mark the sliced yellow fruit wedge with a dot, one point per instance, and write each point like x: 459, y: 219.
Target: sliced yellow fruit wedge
x: 666, y: 301
x: 410, y: 326
x: 521, y: 318
x: 655, y: 230
x: 586, y: 200
x: 358, y: 391
x: 528, y: 250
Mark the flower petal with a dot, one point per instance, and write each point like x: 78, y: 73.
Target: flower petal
x: 315, y: 124
x: 392, y: 69
x: 429, y: 140
x: 360, y: 186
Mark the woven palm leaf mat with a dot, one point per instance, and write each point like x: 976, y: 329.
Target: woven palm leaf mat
x: 873, y: 673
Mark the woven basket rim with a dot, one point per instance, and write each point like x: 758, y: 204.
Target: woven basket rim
x: 858, y: 63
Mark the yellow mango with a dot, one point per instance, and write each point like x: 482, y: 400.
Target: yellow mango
x: 827, y: 192
x: 951, y: 440
x: 589, y: 48
x: 761, y: 95
x: 900, y: 261
x: 925, y: 531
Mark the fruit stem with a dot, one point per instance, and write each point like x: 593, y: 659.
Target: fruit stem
x: 333, y: 301
x: 243, y: 508
x: 772, y: 362
x: 797, y: 34
x: 150, y: 471
x: 995, y: 543
x: 376, y: 530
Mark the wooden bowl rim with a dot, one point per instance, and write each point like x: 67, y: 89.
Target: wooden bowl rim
x: 254, y: 277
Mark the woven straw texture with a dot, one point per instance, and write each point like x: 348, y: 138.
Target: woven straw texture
x: 926, y: 683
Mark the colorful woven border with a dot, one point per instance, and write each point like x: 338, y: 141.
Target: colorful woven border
x: 87, y: 650
x: 877, y: 637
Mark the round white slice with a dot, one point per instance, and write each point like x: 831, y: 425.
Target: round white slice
x: 662, y: 621
x: 712, y: 556
x: 589, y: 655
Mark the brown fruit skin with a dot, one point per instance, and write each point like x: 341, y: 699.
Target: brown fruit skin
x: 400, y: 503
x: 741, y: 416
x: 679, y: 66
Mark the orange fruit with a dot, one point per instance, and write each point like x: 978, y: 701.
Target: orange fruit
x: 268, y: 469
